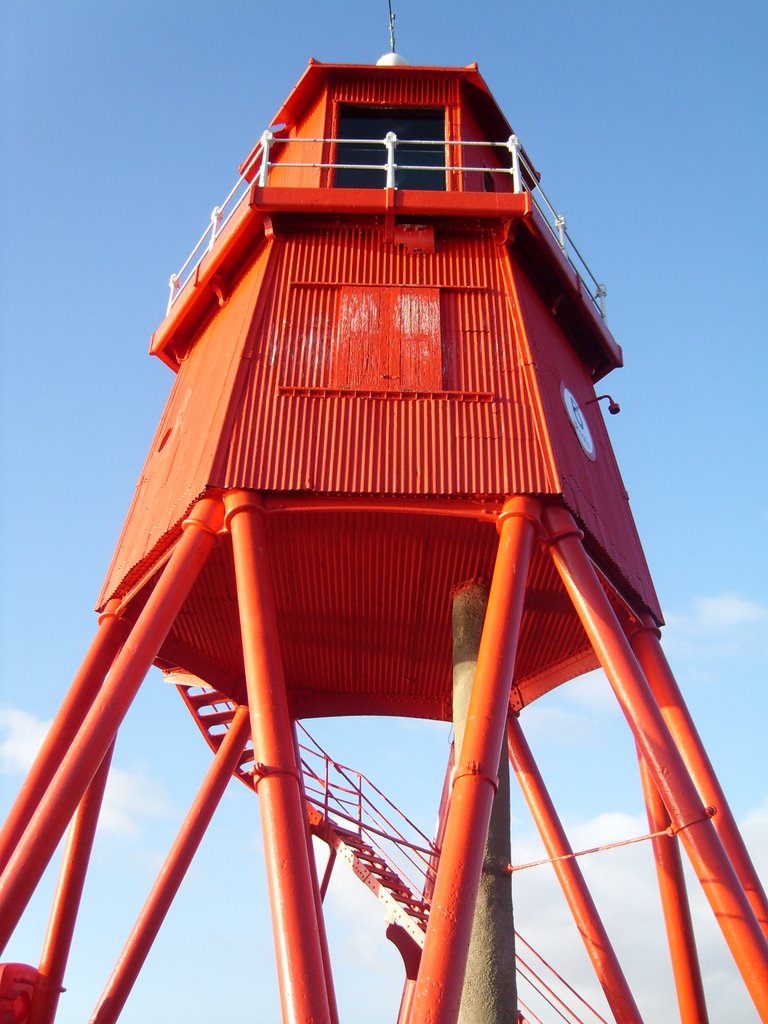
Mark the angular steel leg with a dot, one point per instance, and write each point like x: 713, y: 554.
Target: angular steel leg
x: 645, y: 643
x: 172, y: 873
x: 441, y: 974
x: 674, y: 903
x: 66, y: 901
x: 585, y: 915
x: 721, y: 886
x: 87, y: 750
x: 110, y: 635
x: 300, y: 966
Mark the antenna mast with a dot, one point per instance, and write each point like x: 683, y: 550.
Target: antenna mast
x: 391, y: 28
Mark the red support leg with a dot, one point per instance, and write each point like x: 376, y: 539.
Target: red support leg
x: 721, y: 886
x: 318, y: 891
x: 574, y: 886
x: 646, y: 646
x: 94, y: 738
x: 301, y: 972
x: 66, y: 901
x: 110, y: 635
x: 441, y: 974
x: 172, y: 873
x: 327, y: 873
x: 674, y: 902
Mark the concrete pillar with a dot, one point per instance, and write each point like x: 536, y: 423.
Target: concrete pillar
x: 489, y: 995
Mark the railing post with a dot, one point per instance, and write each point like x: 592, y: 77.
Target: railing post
x: 216, y: 215
x: 360, y: 805
x: 560, y: 226
x: 390, y: 141
x: 266, y: 141
x: 513, y: 145
x: 601, y: 293
x: 173, y: 284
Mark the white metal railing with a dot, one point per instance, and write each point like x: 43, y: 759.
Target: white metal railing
x: 518, y: 170
x: 220, y: 217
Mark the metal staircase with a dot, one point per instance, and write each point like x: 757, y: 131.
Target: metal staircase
x: 388, y: 853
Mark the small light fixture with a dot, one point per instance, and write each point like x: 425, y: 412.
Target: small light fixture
x: 613, y: 407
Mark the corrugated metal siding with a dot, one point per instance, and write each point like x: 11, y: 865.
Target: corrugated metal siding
x: 314, y: 124
x: 209, y: 620
x: 593, y: 490
x: 178, y: 466
x: 364, y: 610
x: 470, y: 130
x: 431, y: 90
x: 553, y: 645
x: 386, y: 339
x: 475, y: 435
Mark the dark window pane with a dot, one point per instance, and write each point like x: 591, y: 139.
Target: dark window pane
x: 367, y: 123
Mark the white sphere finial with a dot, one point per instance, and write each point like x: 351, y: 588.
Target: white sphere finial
x: 391, y: 60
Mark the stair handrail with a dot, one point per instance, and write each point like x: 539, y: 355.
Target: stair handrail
x: 218, y: 704
x: 419, y: 854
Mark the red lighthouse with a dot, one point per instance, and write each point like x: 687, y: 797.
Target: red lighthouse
x: 386, y: 362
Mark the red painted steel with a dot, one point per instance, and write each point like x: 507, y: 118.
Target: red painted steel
x: 178, y: 467
x: 380, y: 562
x: 190, y: 835
x: 585, y: 914
x: 467, y: 126
x: 100, y: 726
x: 315, y: 124
x: 368, y: 376
x: 411, y: 441
x: 300, y: 965
x: 645, y: 643
x: 674, y: 902
x: 378, y: 843
x: 432, y: 88
x: 318, y: 889
x: 17, y: 984
x: 408, y: 85
x: 592, y: 488
x: 110, y: 635
x: 66, y: 901
x: 446, y: 946
x: 483, y: 433
x: 690, y: 818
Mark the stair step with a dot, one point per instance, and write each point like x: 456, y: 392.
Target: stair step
x: 393, y: 882
x: 213, y: 718
x: 367, y: 853
x: 415, y: 905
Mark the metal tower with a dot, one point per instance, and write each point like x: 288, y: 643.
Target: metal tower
x: 386, y: 357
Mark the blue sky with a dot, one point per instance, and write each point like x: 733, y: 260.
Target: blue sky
x: 122, y: 126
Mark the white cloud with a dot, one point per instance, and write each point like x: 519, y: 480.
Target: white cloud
x: 552, y: 723
x: 593, y: 692
x: 623, y: 884
x: 130, y: 795
x: 724, y: 611
x: 22, y: 736
x: 714, y: 628
x: 572, y: 715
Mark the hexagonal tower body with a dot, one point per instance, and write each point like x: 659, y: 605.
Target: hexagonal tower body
x: 384, y: 365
